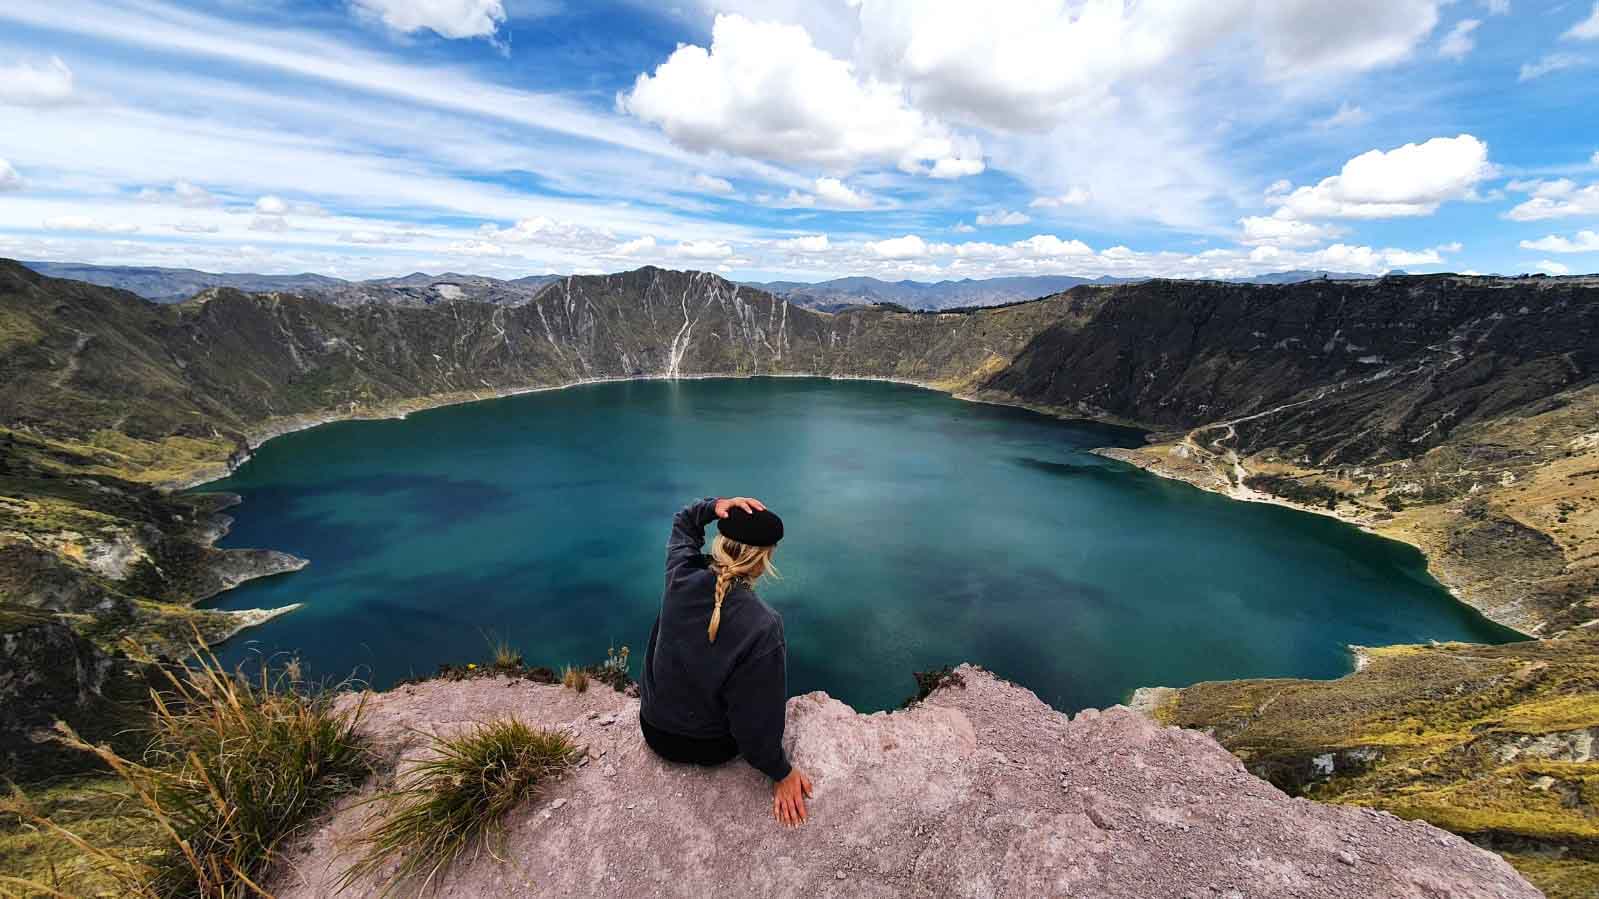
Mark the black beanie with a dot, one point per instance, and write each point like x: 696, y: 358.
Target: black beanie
x: 761, y: 528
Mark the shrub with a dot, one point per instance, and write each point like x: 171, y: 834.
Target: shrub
x: 456, y: 798
x: 575, y: 679
x: 235, y: 767
x: 613, y: 672
x: 506, y: 656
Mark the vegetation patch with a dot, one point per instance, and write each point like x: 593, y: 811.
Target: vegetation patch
x: 1490, y: 742
x: 928, y: 681
x: 235, y: 768
x: 454, y: 801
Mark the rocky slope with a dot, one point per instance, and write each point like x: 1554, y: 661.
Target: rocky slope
x: 980, y: 790
x: 1494, y: 743
x: 1454, y: 413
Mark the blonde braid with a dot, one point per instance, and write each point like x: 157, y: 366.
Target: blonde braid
x: 735, y: 563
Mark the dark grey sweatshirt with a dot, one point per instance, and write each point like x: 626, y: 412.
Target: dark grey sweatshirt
x: 736, y: 686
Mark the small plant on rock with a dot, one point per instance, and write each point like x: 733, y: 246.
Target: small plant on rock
x: 454, y: 800
x: 575, y: 679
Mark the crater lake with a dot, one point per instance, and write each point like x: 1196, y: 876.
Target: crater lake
x: 922, y: 531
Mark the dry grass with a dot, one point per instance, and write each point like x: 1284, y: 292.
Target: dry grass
x: 575, y: 679
x: 236, y: 766
x: 450, y: 802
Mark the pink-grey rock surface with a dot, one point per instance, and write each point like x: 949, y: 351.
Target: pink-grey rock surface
x: 980, y: 790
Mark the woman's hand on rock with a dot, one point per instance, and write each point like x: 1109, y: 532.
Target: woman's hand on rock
x: 788, y: 798
x: 747, y: 503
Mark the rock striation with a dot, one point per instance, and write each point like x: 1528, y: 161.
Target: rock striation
x: 979, y: 790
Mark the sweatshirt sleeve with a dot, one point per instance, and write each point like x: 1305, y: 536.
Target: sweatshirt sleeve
x: 757, y: 694
x: 688, y: 532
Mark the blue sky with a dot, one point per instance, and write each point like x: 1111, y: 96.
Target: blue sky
x: 803, y: 139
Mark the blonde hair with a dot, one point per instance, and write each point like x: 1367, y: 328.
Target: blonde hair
x: 735, y: 563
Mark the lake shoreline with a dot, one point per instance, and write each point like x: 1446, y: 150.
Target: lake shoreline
x: 1136, y: 457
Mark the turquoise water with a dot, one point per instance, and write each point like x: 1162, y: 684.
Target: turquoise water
x: 922, y: 531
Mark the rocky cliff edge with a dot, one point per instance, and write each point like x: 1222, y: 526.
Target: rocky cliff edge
x: 979, y: 790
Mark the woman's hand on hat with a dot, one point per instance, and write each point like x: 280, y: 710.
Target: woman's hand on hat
x: 748, y: 503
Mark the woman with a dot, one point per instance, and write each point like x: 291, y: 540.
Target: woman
x: 714, y: 682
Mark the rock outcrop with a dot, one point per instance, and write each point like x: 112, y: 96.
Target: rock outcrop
x: 979, y: 790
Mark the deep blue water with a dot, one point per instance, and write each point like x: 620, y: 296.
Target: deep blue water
x: 922, y: 531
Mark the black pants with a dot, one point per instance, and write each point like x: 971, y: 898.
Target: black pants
x: 687, y: 750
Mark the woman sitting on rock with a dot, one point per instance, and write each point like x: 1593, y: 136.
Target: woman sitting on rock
x: 715, y: 682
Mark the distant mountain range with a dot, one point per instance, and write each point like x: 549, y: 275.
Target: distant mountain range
x: 840, y: 293
x: 173, y: 285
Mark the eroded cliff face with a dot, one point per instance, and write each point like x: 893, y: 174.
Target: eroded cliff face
x: 980, y: 790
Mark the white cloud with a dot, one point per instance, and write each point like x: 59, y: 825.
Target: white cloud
x: 271, y: 205
x: 908, y: 247
x: 962, y: 228
x: 25, y: 84
x: 1549, y: 266
x: 713, y: 184
x: 1075, y: 196
x: 183, y: 193
x: 549, y: 232
x: 1587, y: 29
x: 1581, y: 242
x: 88, y: 223
x: 1460, y: 41
x: 1262, y: 230
x: 702, y: 249
x: 809, y: 243
x: 1554, y: 62
x: 9, y: 179
x: 1560, y: 198
x: 272, y: 224
x: 635, y: 247
x: 1496, y: 7
x: 1411, y: 180
x: 1594, y: 159
x: 475, y: 248
x: 1346, y: 116
x: 1003, y: 218
x: 1004, y: 69
x: 447, y: 18
x: 763, y: 90
x: 834, y: 192
x: 196, y: 228
x: 1050, y: 245
x: 370, y: 237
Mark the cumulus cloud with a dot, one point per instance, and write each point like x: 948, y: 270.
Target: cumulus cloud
x: 1075, y: 196
x: 447, y: 18
x: 1411, y: 180
x: 271, y: 205
x: 1496, y: 7
x: 1002, y: 218
x: 907, y: 247
x: 26, y: 84
x: 1262, y: 230
x: 1559, y: 198
x: 88, y: 223
x: 1587, y: 29
x: 196, y: 228
x: 764, y: 90
x: 809, y: 243
x: 645, y: 244
x: 1549, y: 266
x: 475, y: 248
x: 272, y: 224
x: 1004, y: 71
x: 1581, y: 242
x: 371, y: 237
x: 550, y: 233
x: 183, y: 193
x: 713, y: 184
x: 9, y: 179
x: 1460, y: 41
x: 702, y: 249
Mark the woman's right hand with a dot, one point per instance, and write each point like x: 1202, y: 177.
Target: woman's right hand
x: 747, y: 503
x: 788, y: 798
